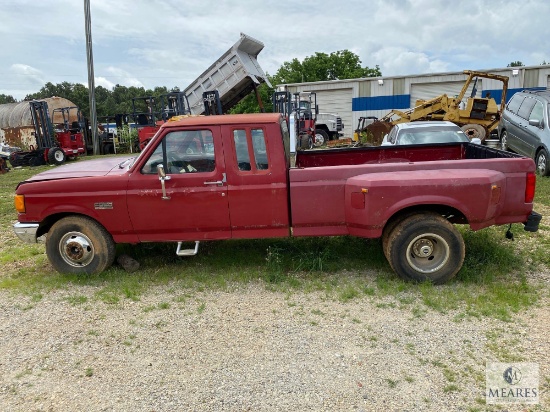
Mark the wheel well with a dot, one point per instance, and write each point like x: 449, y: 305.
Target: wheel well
x: 322, y: 127
x: 48, y: 222
x: 450, y: 213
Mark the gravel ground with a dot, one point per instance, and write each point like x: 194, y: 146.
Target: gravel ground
x: 250, y: 349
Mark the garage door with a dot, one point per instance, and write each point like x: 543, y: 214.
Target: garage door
x: 427, y: 91
x: 337, y: 102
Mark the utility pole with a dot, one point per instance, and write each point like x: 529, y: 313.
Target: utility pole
x: 91, y: 82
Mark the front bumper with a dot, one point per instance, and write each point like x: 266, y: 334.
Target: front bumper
x: 532, y: 224
x: 26, y: 231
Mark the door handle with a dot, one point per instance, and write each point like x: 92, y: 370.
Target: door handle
x: 218, y: 182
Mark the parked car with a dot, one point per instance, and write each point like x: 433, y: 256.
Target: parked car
x: 425, y: 132
x: 524, y: 127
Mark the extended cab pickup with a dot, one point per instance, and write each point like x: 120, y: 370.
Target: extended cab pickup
x: 221, y: 177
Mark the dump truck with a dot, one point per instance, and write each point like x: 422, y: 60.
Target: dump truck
x: 477, y: 116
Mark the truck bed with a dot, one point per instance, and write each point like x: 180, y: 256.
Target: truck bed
x: 323, y: 175
x: 386, y: 154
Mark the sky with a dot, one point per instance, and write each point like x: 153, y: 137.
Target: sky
x: 170, y: 43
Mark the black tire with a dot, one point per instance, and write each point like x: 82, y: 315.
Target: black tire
x: 542, y: 163
x: 56, y: 156
x: 79, y: 245
x: 305, y: 142
x: 321, y: 138
x: 425, y: 247
x: 504, y: 140
x: 37, y: 161
x: 388, y: 229
x: 15, y: 159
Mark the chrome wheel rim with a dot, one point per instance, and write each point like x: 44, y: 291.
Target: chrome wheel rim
x: 428, y: 253
x: 503, y: 141
x: 76, y: 249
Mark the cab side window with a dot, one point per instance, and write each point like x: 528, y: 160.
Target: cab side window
x: 185, y: 151
x: 250, y: 149
x: 241, y: 149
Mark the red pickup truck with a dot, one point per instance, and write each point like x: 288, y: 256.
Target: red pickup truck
x: 221, y: 177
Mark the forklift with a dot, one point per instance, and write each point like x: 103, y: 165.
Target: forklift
x: 46, y: 149
x: 69, y: 134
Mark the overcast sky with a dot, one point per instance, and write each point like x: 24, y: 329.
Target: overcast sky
x: 169, y: 43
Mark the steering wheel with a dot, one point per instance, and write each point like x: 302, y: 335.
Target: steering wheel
x: 173, y: 162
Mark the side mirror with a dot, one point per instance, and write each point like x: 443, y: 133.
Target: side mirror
x: 536, y: 123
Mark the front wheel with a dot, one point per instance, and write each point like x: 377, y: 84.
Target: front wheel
x: 425, y: 247
x: 79, y: 245
x: 542, y: 163
x: 56, y: 156
x: 321, y: 138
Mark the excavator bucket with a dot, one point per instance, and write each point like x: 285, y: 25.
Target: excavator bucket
x: 374, y: 133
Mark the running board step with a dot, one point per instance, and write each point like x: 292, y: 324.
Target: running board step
x: 187, y: 252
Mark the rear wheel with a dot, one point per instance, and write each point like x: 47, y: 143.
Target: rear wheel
x: 80, y: 245
x: 542, y: 163
x: 56, y: 156
x: 425, y: 247
x: 474, y: 131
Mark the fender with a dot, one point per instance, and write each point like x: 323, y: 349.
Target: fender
x: 372, y: 199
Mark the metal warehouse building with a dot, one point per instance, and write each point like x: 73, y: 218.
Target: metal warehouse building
x: 376, y: 96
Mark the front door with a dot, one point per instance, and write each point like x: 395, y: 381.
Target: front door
x: 196, y: 203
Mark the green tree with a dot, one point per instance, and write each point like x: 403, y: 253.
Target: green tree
x: 517, y: 63
x: 339, y: 65
x: 6, y: 98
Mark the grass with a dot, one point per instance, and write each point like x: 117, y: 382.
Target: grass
x: 493, y: 281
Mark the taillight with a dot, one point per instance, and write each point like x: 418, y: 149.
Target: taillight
x: 530, y: 183
x: 19, y: 202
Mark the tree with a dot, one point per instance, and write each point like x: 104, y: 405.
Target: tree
x: 339, y: 65
x: 515, y: 64
x: 6, y: 98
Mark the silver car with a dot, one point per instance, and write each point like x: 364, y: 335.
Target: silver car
x: 524, y: 127
x: 427, y: 132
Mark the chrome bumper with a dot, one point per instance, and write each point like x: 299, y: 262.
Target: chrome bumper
x: 26, y: 231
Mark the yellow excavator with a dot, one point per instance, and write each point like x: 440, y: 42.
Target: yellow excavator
x: 477, y: 116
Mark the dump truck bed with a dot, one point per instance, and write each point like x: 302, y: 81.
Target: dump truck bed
x: 233, y: 75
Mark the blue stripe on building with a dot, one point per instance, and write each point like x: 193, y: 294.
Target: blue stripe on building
x: 403, y: 101
x: 400, y: 101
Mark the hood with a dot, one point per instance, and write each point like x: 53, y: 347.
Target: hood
x: 86, y: 168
